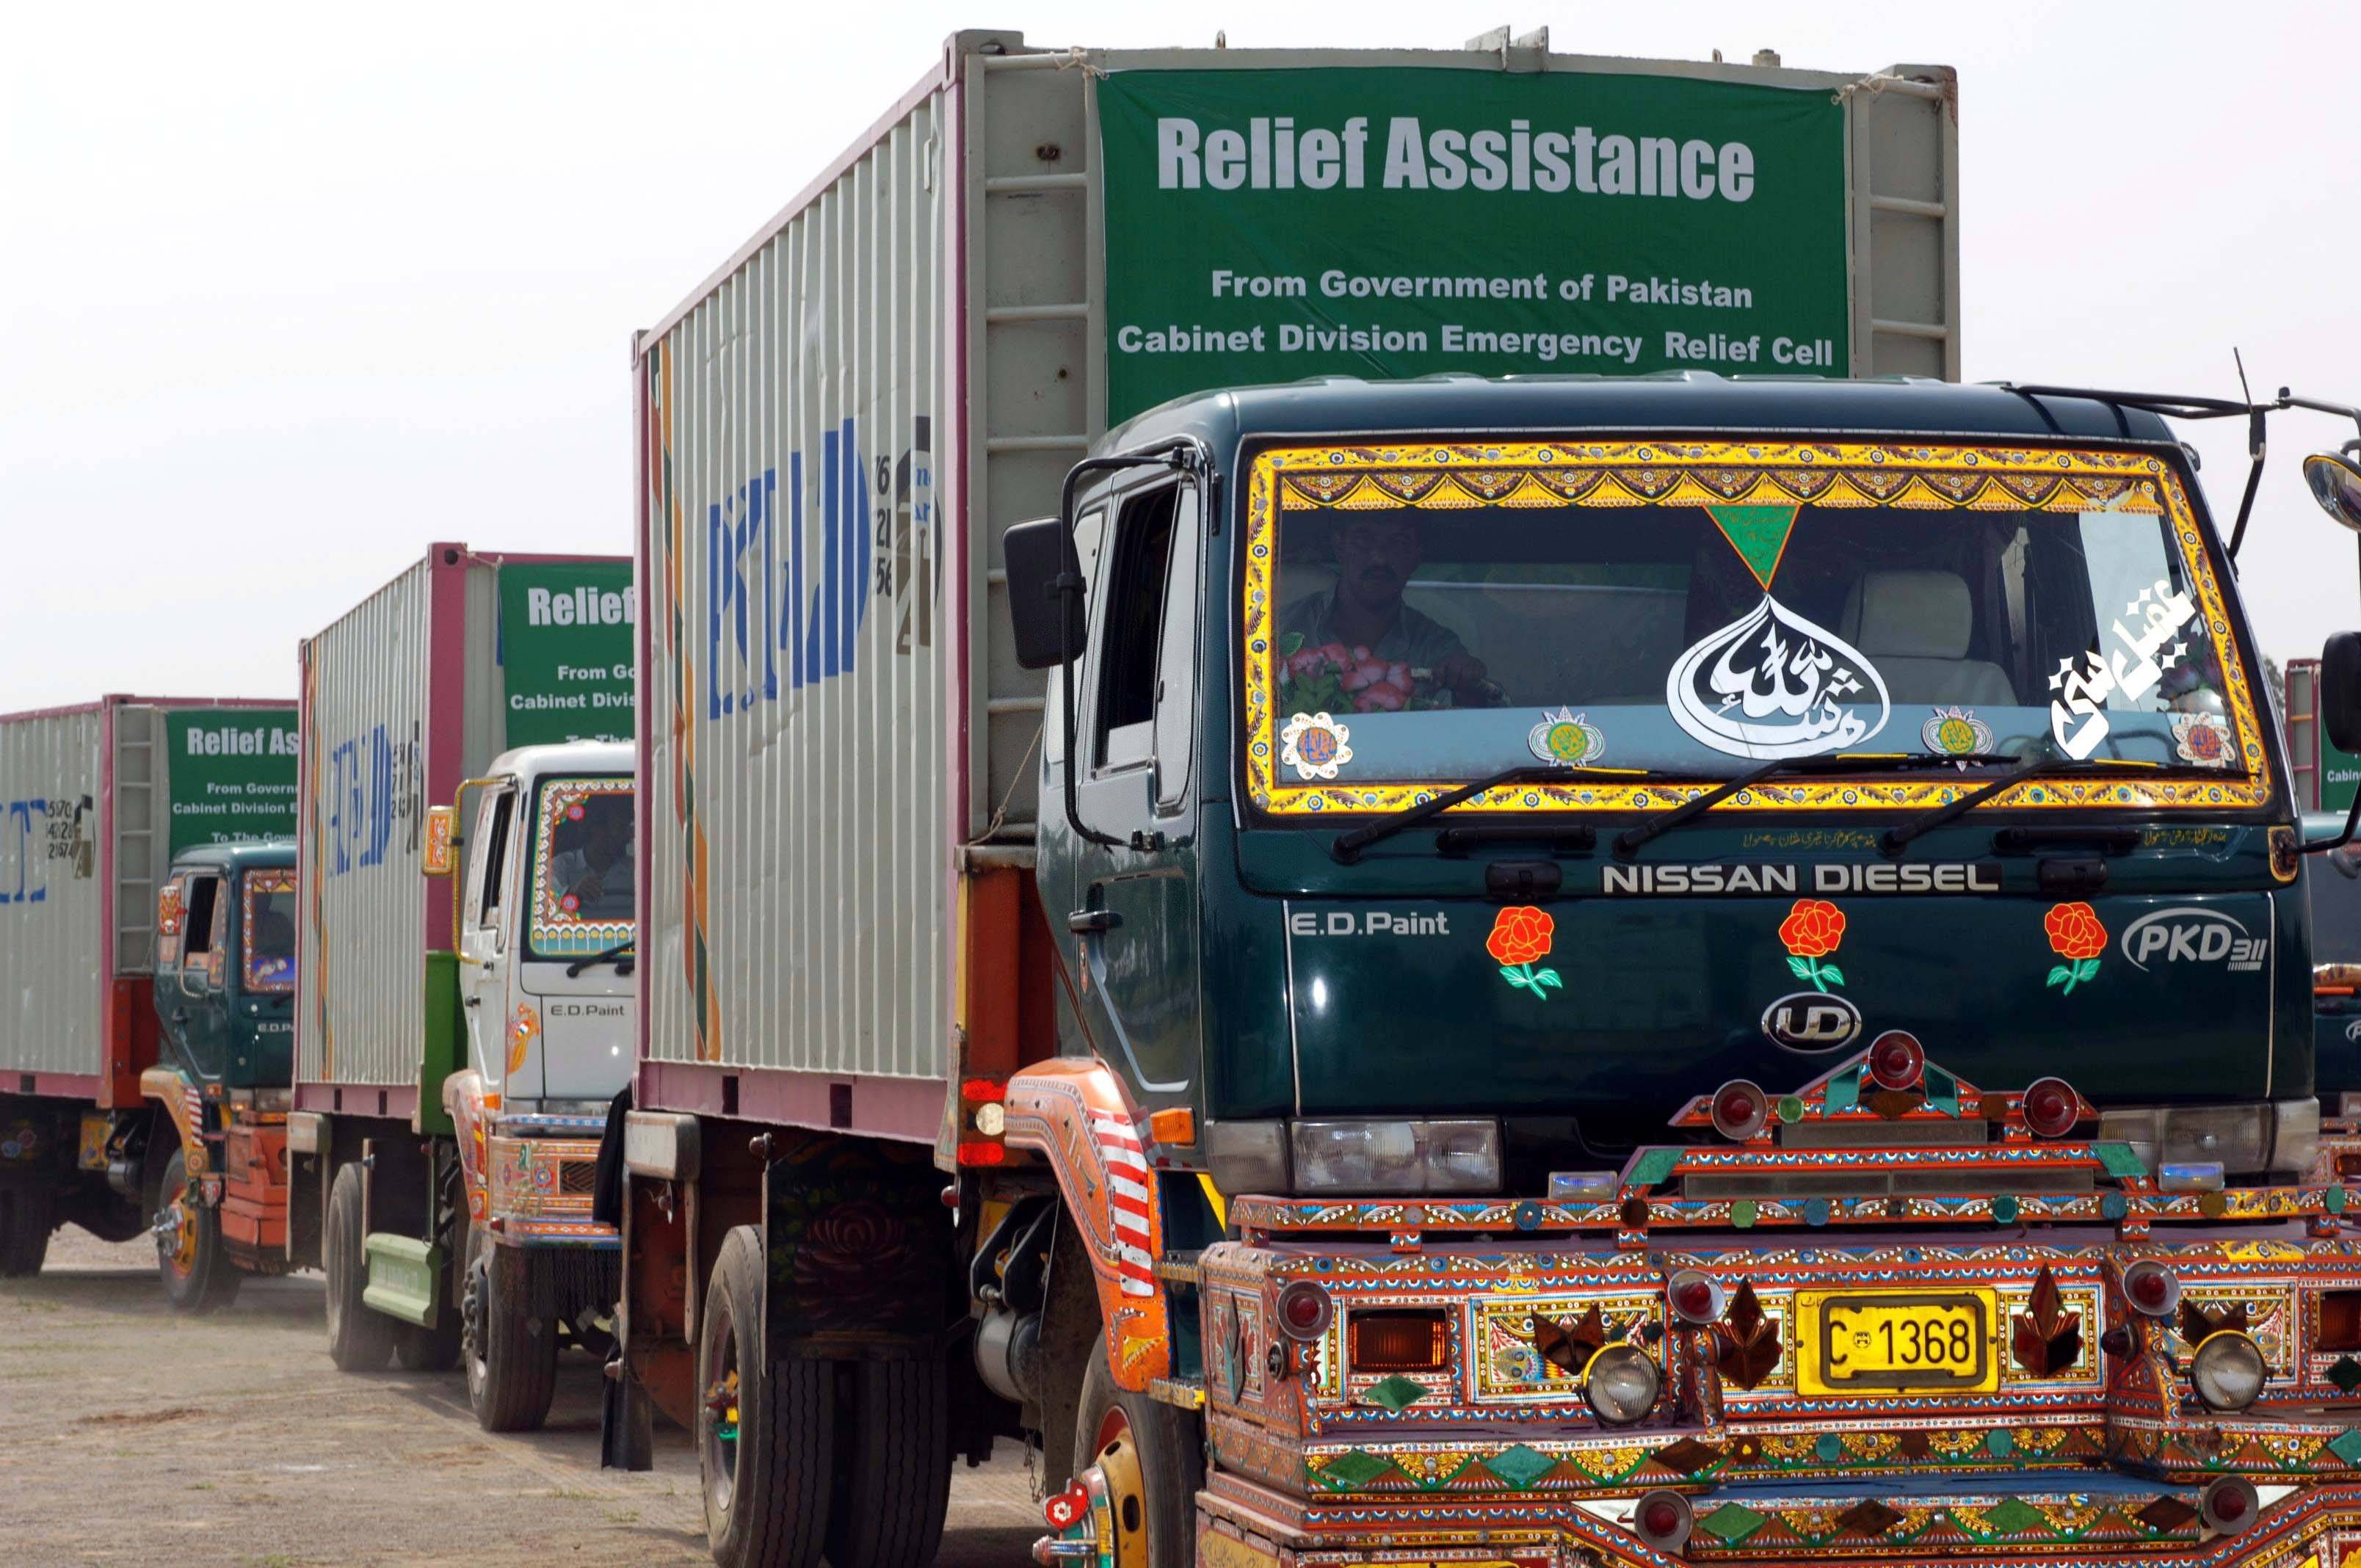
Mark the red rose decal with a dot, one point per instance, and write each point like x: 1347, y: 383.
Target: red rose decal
x: 1520, y: 936
x: 1814, y: 928
x: 2076, y: 935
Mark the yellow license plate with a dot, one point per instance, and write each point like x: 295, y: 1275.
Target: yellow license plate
x: 1850, y: 1342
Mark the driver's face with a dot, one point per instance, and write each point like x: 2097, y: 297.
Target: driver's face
x: 1373, y: 560
x: 609, y: 837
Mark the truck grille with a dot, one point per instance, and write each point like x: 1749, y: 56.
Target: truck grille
x: 579, y: 1176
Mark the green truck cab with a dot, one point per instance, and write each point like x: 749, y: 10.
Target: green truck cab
x: 224, y: 997
x: 1700, y: 963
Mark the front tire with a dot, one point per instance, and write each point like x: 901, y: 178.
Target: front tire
x: 27, y: 1219
x: 765, y: 1452
x: 511, y: 1355
x: 359, y: 1340
x: 1153, y: 1455
x: 198, y: 1275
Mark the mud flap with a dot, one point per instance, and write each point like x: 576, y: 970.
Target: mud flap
x: 860, y: 1247
x: 627, y: 1437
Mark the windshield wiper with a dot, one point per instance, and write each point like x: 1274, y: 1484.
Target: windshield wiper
x: 2045, y: 764
x: 1348, y: 846
x: 621, y: 955
x: 1628, y: 841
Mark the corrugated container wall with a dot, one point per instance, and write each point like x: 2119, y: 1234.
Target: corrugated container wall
x: 417, y: 687
x: 794, y: 565
x: 358, y: 1009
x: 52, y: 946
x: 86, y: 799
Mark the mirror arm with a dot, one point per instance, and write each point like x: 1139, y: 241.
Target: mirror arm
x: 1184, y: 454
x: 2352, y: 820
x: 2257, y: 441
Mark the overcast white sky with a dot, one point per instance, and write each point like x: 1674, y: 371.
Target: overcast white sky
x: 290, y: 291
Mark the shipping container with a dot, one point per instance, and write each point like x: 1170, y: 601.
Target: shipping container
x: 463, y: 656
x: 94, y: 801
x: 840, y: 423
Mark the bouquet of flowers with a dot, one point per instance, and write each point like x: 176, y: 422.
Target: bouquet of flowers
x: 1329, y: 677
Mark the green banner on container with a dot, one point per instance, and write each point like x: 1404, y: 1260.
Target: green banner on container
x: 2340, y: 776
x: 568, y: 634
x: 232, y: 774
x: 1266, y: 226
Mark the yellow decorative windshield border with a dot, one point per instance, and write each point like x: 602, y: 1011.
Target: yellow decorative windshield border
x: 1657, y: 473
x: 273, y: 973
x: 557, y: 931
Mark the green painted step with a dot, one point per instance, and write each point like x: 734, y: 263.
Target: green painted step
x: 403, y: 1277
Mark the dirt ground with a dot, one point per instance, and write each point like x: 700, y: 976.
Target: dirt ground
x: 129, y: 1435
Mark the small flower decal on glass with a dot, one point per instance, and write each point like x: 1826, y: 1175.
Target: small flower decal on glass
x: 1314, y: 745
x: 2076, y: 935
x: 1521, y: 935
x: 1813, y: 929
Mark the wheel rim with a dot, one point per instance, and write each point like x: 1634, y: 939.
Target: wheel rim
x: 176, y: 1236
x: 1117, y: 1454
x: 471, y: 1327
x: 718, y: 1426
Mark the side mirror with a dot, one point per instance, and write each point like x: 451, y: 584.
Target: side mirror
x: 442, y: 840
x: 1045, y: 621
x: 2335, y: 481
x: 2339, y: 695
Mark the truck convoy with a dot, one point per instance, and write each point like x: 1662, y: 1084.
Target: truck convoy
x: 457, y: 1040
x: 144, y: 1037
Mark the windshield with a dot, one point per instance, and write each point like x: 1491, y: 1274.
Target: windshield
x: 268, y: 931
x: 1418, y: 618
x: 582, y: 867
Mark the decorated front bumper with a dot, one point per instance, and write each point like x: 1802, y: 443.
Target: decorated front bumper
x: 539, y: 1180
x: 1855, y: 1350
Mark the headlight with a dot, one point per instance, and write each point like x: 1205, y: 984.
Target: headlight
x: 1246, y: 1157
x: 1621, y: 1384
x: 2244, y: 1140
x: 2227, y: 1371
x: 1396, y: 1157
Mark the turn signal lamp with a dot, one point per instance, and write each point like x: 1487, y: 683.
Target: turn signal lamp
x: 985, y: 1121
x: 1740, y: 1110
x: 1411, y: 1340
x: 1304, y: 1311
x: 1584, y: 1186
x: 2191, y: 1176
x: 1896, y: 1059
x: 2152, y: 1289
x: 2340, y: 1320
x: 2230, y: 1505
x: 1662, y: 1519
x: 1697, y: 1298
x: 2050, y: 1108
x: 2227, y: 1371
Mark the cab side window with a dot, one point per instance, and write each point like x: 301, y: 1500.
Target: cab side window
x: 204, y: 902
x: 494, y: 865
x: 1133, y: 631
x: 1147, y: 694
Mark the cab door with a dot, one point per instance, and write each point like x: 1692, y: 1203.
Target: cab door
x: 484, y: 961
x: 195, y: 1016
x: 1134, y: 921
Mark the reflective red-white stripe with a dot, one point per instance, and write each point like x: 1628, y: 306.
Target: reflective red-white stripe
x: 1128, y: 1203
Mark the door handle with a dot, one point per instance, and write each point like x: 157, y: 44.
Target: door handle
x: 475, y: 1002
x: 1084, y: 922
x: 179, y: 1014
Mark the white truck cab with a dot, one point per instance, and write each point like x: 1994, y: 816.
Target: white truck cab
x: 545, y: 929
x: 545, y: 918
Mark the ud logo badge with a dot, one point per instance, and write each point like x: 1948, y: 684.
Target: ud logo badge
x: 1812, y: 1022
